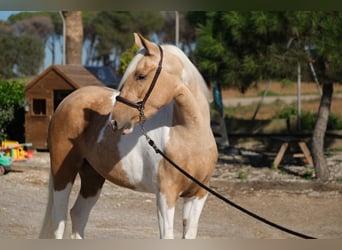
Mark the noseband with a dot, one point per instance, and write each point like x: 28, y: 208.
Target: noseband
x: 141, y: 104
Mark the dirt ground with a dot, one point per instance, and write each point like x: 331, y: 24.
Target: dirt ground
x: 283, y: 196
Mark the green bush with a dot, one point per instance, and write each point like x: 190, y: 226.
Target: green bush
x: 12, y: 101
x: 308, y: 119
x: 286, y: 113
x: 286, y: 83
x: 126, y: 58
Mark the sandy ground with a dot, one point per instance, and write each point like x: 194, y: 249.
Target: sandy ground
x: 283, y: 196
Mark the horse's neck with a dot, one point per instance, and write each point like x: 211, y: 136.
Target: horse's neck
x: 191, y: 111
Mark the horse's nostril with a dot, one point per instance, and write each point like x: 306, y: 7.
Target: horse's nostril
x: 114, y: 125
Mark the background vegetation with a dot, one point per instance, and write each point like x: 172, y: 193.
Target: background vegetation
x: 12, y: 103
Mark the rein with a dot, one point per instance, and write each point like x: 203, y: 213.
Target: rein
x: 140, y: 106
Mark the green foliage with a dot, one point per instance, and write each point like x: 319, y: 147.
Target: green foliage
x: 308, y: 119
x: 242, y: 175
x: 20, y: 55
x: 286, y: 113
x: 126, y: 57
x: 31, y: 55
x: 334, y: 121
x: 284, y: 83
x: 114, y: 29
x: 238, y: 48
x: 308, y: 175
x: 11, y: 100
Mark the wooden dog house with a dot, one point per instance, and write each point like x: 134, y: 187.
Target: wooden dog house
x: 45, y: 92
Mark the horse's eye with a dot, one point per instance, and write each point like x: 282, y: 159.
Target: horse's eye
x: 140, y: 77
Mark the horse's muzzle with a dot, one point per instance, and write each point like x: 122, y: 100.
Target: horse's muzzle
x: 124, y: 130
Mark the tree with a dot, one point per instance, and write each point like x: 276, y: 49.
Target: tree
x: 20, y: 55
x: 31, y: 55
x: 74, y: 36
x: 327, y: 31
x: 238, y: 48
x: 89, y: 37
x: 112, y: 32
x: 44, y: 25
x: 187, y: 30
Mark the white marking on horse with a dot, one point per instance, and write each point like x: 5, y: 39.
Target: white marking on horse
x: 101, y: 134
x: 80, y: 214
x: 138, y: 159
x: 191, y: 213
x: 113, y: 97
x: 165, y: 217
x: 60, y: 209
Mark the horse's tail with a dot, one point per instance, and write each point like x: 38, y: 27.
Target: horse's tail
x: 46, y: 229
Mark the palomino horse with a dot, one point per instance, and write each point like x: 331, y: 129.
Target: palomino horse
x: 94, y: 133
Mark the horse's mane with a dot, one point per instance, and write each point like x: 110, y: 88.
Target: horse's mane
x: 193, y: 76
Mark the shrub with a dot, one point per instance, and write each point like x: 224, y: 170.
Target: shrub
x: 12, y: 101
x: 308, y: 119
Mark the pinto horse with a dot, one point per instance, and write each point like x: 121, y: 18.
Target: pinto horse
x: 95, y: 133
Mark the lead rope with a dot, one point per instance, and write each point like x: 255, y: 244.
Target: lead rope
x: 219, y: 196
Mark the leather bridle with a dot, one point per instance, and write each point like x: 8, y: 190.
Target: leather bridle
x: 140, y: 106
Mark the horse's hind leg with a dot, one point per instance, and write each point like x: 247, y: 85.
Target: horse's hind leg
x: 59, y: 210
x: 62, y: 177
x: 91, y: 185
x: 191, y: 213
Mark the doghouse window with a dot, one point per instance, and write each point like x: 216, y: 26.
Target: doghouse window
x: 39, y: 106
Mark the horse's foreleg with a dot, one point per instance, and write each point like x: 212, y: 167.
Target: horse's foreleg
x: 165, y: 217
x: 192, y: 210
x: 91, y: 186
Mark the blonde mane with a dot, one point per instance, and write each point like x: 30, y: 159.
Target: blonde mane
x: 191, y: 75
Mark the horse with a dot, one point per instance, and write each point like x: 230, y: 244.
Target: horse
x: 100, y: 134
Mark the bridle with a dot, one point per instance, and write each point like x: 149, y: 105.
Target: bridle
x: 140, y: 106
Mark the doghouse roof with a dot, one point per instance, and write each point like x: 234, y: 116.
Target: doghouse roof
x: 74, y: 75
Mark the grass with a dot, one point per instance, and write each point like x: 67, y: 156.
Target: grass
x: 336, y: 149
x: 242, y: 175
x: 308, y: 175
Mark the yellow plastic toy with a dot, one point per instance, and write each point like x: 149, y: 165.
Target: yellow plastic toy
x: 16, y: 150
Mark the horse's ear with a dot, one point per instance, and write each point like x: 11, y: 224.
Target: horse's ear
x: 142, y: 42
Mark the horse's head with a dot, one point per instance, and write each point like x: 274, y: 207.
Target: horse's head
x: 145, y: 87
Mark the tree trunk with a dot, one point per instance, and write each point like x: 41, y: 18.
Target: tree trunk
x: 317, y: 147
x: 74, y: 36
